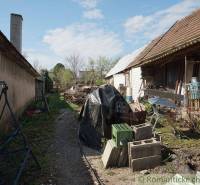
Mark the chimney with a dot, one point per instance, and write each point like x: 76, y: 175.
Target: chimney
x: 16, y: 31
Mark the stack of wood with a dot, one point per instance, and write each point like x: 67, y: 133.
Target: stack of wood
x: 75, y: 97
x: 78, y: 95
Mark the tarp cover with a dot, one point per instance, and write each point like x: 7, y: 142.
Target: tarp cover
x: 99, y: 113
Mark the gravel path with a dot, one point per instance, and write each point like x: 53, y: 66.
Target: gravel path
x: 70, y: 168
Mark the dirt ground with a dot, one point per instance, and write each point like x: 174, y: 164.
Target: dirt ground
x: 124, y: 176
x: 111, y: 176
x: 70, y: 168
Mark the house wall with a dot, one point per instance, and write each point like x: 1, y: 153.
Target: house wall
x: 110, y: 80
x: 164, y: 75
x: 135, y: 82
x: 118, y: 79
x: 21, y: 84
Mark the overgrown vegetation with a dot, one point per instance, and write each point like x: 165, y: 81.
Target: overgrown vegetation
x: 177, y: 135
x: 62, y: 76
x: 47, y: 81
x: 39, y: 129
x: 98, y: 69
x: 73, y: 72
x: 147, y: 105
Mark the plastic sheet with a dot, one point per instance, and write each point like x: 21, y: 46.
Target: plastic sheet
x: 102, y: 109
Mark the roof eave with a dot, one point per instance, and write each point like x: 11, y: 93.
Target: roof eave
x: 23, y: 62
x: 166, y: 53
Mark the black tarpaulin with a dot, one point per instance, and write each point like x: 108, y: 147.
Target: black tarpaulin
x: 99, y: 113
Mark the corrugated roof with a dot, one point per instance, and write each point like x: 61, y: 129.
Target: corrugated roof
x: 182, y: 34
x: 7, y: 48
x: 123, y: 63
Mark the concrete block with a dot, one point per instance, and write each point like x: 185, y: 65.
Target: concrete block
x: 142, y: 131
x: 129, y: 161
x: 129, y: 157
x: 111, y: 154
x: 144, y: 148
x: 123, y: 157
x: 145, y: 163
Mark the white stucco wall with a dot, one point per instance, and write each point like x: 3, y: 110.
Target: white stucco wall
x: 135, y: 82
x: 119, y: 79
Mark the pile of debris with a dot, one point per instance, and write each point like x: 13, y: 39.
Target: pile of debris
x: 77, y: 94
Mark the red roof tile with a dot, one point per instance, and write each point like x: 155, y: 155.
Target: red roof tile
x: 182, y: 34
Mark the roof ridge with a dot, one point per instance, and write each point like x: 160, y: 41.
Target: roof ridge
x: 194, y: 40
x: 182, y: 31
x: 158, y: 41
x: 25, y: 64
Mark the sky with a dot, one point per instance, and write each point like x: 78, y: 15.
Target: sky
x: 56, y: 29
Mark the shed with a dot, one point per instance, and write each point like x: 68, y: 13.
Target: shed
x: 127, y: 78
x: 170, y: 61
x: 18, y: 73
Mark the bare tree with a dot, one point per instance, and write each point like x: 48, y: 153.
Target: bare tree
x: 36, y: 65
x: 25, y: 54
x: 92, y: 73
x: 74, y: 63
x: 103, y: 65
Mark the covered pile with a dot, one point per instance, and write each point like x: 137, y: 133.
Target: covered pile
x: 103, y: 107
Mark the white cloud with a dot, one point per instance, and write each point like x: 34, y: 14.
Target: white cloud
x: 155, y: 24
x: 136, y: 23
x: 85, y: 39
x: 93, y: 14
x: 88, y: 3
x: 91, y: 11
x: 42, y: 59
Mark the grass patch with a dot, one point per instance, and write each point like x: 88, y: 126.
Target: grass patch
x: 71, y: 106
x: 170, y: 140
x: 39, y: 129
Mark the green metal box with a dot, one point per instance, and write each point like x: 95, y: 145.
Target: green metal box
x: 121, y: 134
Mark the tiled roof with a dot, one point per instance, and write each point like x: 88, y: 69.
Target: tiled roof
x: 182, y: 34
x: 146, y: 50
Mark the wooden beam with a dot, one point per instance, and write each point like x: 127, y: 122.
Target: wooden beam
x: 185, y: 96
x: 193, y: 61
